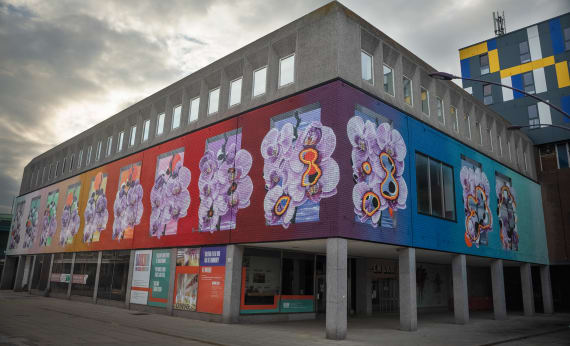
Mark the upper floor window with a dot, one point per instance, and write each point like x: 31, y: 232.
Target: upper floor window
x: 38, y: 176
x: 120, y: 141
x: 454, y: 120
x: 563, y: 154
x: 490, y: 132
x: 160, y: 124
x: 468, y: 123
x: 109, y: 144
x: 194, y: 109
x: 235, y: 93
x: 533, y: 118
x: 366, y: 65
x: 79, y: 158
x: 525, y: 163
x: 528, y: 81
x: 88, y: 159
x: 435, y: 187
x: 259, y: 81
x: 98, y: 153
x: 213, y: 101
x: 510, y: 154
x: 484, y: 63
x: 63, y: 165
x: 425, y: 100
x: 500, y: 145
x: 407, y: 86
x: 439, y: 109
x: 44, y: 175
x: 487, y: 94
x: 567, y: 38
x: 478, y: 126
x: 286, y: 70
x: 146, y: 130
x: 524, y: 52
x: 388, y: 80
x: 176, y: 112
x: 56, y: 168
x: 71, y: 162
x: 132, y: 135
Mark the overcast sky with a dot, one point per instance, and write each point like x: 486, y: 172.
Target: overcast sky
x: 67, y: 65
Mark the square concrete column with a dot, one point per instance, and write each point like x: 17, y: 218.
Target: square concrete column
x: 96, y: 288
x: 170, y: 304
x: 9, y: 272
x: 48, y: 286
x: 407, y: 282
x: 546, y: 289
x: 71, y: 275
x: 232, y: 284
x: 498, y: 283
x: 31, y: 273
x: 363, y: 288
x: 130, y: 279
x: 527, y: 293
x: 19, y: 273
x: 460, y: 295
x: 337, y: 277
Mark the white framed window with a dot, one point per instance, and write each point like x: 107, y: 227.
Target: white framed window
x: 160, y: 124
x: 213, y: 101
x: 194, y: 109
x: 176, y: 112
x: 500, y: 146
x: 454, y: 120
x: 468, y: 120
x: 487, y: 94
x: 478, y: 125
x: 63, y: 165
x: 484, y: 63
x: 491, y: 138
x: 259, y: 81
x: 388, y: 80
x: 407, y: 86
x: 120, y: 140
x: 71, y: 159
x: 132, y: 135
x: 109, y: 144
x: 235, y: 92
x: 366, y: 64
x: 525, y: 163
x: 79, y: 158
x: 56, y: 168
x: 38, y: 176
x: 509, y: 147
x: 425, y: 100
x: 439, y: 110
x: 88, y: 159
x: 287, y: 70
x: 146, y: 130
x: 98, y: 153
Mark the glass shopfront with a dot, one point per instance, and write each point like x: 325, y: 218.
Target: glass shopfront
x: 84, y: 272
x: 61, y: 273
x: 40, y: 275
x: 113, y: 275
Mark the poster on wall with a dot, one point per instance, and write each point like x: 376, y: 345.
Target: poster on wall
x: 211, y: 279
x: 378, y: 161
x: 186, y: 283
x: 141, y: 277
x: 128, y: 206
x: 49, y: 219
x: 96, y: 214
x: 476, y: 189
x: 18, y: 220
x: 70, y: 216
x: 298, y: 168
x: 224, y: 182
x: 507, y: 212
x: 31, y: 227
x: 169, y: 197
x: 159, y: 278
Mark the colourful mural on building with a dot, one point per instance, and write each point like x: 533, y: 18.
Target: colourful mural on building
x: 96, y: 214
x: 507, y: 212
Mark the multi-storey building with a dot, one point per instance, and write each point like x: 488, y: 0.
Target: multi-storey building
x: 318, y: 169
x: 536, y: 60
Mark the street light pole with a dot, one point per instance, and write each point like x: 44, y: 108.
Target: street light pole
x: 449, y: 76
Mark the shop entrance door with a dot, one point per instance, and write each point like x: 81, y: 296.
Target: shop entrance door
x: 385, y: 295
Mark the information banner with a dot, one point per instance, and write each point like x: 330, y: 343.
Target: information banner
x: 211, y: 289
x: 186, y: 283
x: 159, y: 278
x: 141, y: 277
x: 213, y: 256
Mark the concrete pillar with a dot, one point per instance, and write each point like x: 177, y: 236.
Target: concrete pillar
x: 130, y: 279
x: 48, y: 286
x: 546, y: 289
x: 9, y: 272
x: 337, y: 277
x: 527, y: 293
x: 71, y: 275
x: 408, y: 303
x: 170, y: 304
x: 96, y: 288
x: 232, y: 284
x: 460, y: 294
x: 498, y: 283
x: 19, y: 273
x: 363, y: 288
x: 31, y: 273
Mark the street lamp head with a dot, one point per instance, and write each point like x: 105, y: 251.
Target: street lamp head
x: 442, y: 76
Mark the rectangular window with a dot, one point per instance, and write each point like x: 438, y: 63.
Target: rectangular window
x: 533, y: 118
x: 484, y: 62
x: 407, y: 85
x: 235, y: 92
x: 50, y: 170
x: 454, y: 119
x: 500, y: 146
x: 109, y: 144
x: 439, y: 110
x: 79, y: 158
x: 259, y: 81
x: 468, y: 120
x: 194, y: 109
x: 213, y: 101
x: 146, y: 130
x: 490, y: 139
x: 425, y: 101
x: 528, y: 81
x: 98, y: 153
x: 63, y: 165
x: 160, y: 124
x: 524, y: 52
x: 56, y: 168
x: 562, y: 154
x: 435, y: 187
x: 567, y: 38
x: 44, y: 175
x: 88, y: 160
x: 366, y: 65
x: 133, y: 135
x: 71, y: 162
x: 525, y: 163
x: 509, y: 147
x: 176, y: 112
x: 38, y: 177
x: 478, y: 126
x: 388, y: 80
x: 487, y: 94
x: 286, y: 71
x: 120, y: 141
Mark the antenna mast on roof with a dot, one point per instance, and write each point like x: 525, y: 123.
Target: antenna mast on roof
x: 499, y: 23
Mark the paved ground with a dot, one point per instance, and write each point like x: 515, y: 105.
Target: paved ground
x: 34, y: 320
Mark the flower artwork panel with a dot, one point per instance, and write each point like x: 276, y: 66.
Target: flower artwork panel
x: 128, y: 206
x: 476, y: 189
x: 224, y: 184
x: 17, y: 224
x: 49, y: 219
x: 298, y: 169
x: 507, y: 213
x: 187, y: 277
x: 378, y: 161
x: 96, y: 214
x: 169, y: 197
x: 70, y: 216
x: 32, y: 225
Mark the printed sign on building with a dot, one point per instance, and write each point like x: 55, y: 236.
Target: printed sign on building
x: 186, y: 284
x: 159, y: 278
x: 141, y: 277
x: 211, y: 280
